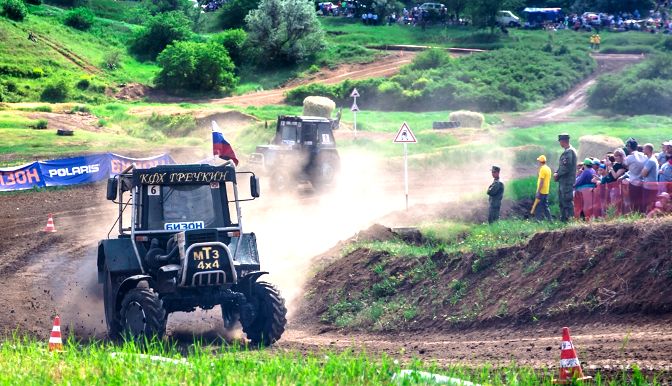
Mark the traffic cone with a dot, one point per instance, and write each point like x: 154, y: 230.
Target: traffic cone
x: 50, y: 228
x: 570, y: 367
x: 55, y: 341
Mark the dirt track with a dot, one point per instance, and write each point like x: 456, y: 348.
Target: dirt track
x: 44, y: 274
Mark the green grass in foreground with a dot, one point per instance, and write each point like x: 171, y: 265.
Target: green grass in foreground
x: 27, y: 362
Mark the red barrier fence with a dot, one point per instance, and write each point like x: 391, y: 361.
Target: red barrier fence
x: 622, y: 196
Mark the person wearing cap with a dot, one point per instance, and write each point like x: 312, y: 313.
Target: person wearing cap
x: 565, y: 176
x: 662, y: 207
x: 543, y: 189
x: 495, y: 193
x: 583, y: 190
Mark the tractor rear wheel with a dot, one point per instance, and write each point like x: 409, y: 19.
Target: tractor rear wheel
x: 142, y: 314
x: 270, y: 315
x: 109, y: 300
x: 324, y: 170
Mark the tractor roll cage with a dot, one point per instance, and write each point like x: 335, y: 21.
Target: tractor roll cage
x: 130, y: 181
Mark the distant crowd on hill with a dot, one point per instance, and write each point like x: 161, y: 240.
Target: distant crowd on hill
x: 657, y: 21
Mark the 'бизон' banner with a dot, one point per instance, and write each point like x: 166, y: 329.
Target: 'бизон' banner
x: 76, y: 170
x: 21, y: 177
x: 118, y: 163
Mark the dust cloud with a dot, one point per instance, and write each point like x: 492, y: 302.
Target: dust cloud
x: 294, y: 228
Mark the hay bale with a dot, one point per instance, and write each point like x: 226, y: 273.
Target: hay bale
x: 318, y: 106
x: 597, y: 146
x: 467, y: 118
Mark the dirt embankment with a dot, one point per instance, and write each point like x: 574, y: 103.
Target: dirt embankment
x: 582, y: 273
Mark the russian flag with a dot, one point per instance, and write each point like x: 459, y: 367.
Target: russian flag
x: 220, y: 147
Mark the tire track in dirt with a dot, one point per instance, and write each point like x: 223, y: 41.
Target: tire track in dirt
x: 575, y: 100
x: 361, y: 71
x: 69, y: 55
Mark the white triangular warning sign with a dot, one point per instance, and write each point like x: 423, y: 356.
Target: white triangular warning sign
x: 354, y: 94
x: 405, y: 135
x: 354, y: 107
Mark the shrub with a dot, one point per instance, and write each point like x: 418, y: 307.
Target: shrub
x: 42, y: 124
x: 284, y: 31
x: 14, y: 9
x: 467, y: 118
x: 84, y: 83
x: 234, y: 41
x: 160, y: 31
x: 36, y: 72
x: 196, y: 67
x: 80, y: 18
x: 431, y: 58
x: 318, y: 106
x: 112, y: 60
x: 55, y: 92
x: 666, y: 44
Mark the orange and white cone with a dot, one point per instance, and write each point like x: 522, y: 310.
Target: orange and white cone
x: 50, y: 228
x: 55, y: 341
x: 570, y: 367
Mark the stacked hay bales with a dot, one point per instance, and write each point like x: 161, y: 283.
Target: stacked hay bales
x: 597, y: 146
x: 317, y: 106
x: 467, y: 118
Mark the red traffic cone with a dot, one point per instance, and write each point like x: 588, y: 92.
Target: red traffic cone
x: 570, y: 367
x: 55, y: 341
x: 50, y: 228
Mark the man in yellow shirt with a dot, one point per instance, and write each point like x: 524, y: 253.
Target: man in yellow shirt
x: 543, y: 188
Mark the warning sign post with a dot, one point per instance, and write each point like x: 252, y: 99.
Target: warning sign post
x: 405, y: 136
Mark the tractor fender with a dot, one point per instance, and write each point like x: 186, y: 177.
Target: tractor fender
x: 118, y: 255
x: 129, y: 283
x: 245, y: 282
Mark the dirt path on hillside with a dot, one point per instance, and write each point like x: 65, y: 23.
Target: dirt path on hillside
x: 561, y: 109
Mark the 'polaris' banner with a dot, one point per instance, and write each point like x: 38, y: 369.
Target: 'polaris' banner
x: 71, y: 171
x: 21, y: 177
x: 119, y: 163
x: 76, y: 170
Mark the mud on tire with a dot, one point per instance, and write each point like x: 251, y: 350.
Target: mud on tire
x: 142, y: 314
x: 111, y: 314
x: 270, y: 315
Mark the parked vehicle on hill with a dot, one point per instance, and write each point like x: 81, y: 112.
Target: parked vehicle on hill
x: 507, y: 18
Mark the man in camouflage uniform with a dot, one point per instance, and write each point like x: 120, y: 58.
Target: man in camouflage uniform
x: 495, y: 193
x: 566, y: 176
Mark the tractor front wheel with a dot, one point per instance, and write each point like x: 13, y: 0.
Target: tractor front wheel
x: 270, y: 315
x: 109, y: 300
x: 142, y: 313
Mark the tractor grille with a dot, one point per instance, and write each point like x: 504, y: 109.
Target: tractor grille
x: 200, y: 236
x: 208, y: 278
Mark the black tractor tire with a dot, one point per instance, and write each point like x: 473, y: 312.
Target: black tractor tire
x: 143, y: 314
x: 270, y: 315
x: 112, y: 316
x: 325, y: 170
x: 230, y: 316
x: 281, y: 181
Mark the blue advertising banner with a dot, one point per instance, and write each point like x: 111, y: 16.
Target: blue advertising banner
x: 71, y: 171
x: 21, y: 177
x: 119, y: 163
x: 76, y: 170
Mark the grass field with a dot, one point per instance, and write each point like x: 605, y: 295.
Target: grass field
x: 31, y: 364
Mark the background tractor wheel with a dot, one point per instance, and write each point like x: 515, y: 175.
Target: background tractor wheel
x: 324, y: 171
x: 270, y: 315
x: 142, y: 313
x: 109, y: 300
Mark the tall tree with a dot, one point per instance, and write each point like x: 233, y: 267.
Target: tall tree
x: 284, y: 31
x: 457, y: 7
